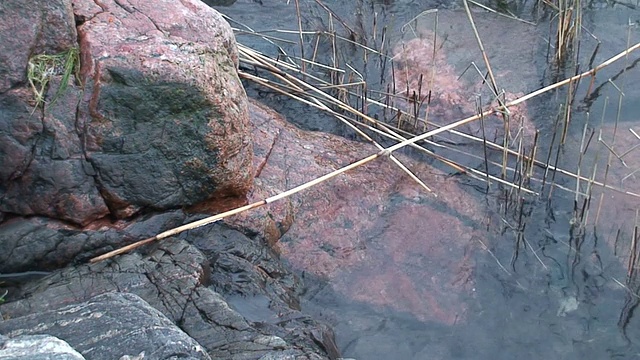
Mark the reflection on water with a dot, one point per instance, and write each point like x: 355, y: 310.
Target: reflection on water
x: 560, y: 291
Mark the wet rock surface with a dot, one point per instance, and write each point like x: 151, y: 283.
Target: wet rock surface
x: 132, y: 327
x: 44, y: 244
x: 238, y: 304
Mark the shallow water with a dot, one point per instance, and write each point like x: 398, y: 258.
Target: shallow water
x: 561, y: 297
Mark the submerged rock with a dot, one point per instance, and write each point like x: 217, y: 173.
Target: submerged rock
x: 426, y: 83
x: 371, y: 233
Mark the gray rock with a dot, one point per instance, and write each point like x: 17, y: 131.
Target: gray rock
x: 178, y: 280
x: 36, y: 347
x: 288, y: 355
x: 219, y: 2
x: 109, y: 326
x: 43, y: 243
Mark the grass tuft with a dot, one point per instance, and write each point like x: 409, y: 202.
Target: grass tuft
x: 43, y: 67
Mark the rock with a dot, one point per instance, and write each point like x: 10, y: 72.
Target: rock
x: 110, y: 326
x: 219, y: 2
x: 371, y: 233
x: 166, y: 117
x: 156, y: 119
x: 45, y: 244
x: 423, y: 76
x: 42, y: 171
x: 179, y: 281
x: 36, y: 27
x: 37, y: 347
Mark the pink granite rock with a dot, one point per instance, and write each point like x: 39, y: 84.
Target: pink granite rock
x: 164, y: 113
x: 423, y: 78
x: 156, y: 120
x: 42, y: 167
x: 372, y: 232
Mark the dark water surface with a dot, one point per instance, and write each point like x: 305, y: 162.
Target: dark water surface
x: 567, y: 294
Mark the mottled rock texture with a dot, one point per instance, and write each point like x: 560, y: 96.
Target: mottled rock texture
x: 428, y: 84
x: 371, y: 232
x: 234, y: 298
x: 156, y: 119
x: 110, y: 326
x: 37, y: 347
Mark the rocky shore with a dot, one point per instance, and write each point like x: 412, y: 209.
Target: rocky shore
x: 142, y: 118
x: 121, y: 119
x: 153, y: 130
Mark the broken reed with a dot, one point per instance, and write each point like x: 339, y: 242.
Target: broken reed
x: 569, y: 23
x: 564, y: 30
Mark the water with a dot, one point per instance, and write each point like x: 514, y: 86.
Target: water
x: 567, y: 293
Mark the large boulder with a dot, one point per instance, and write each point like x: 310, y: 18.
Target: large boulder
x: 156, y: 119
x: 166, y: 115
